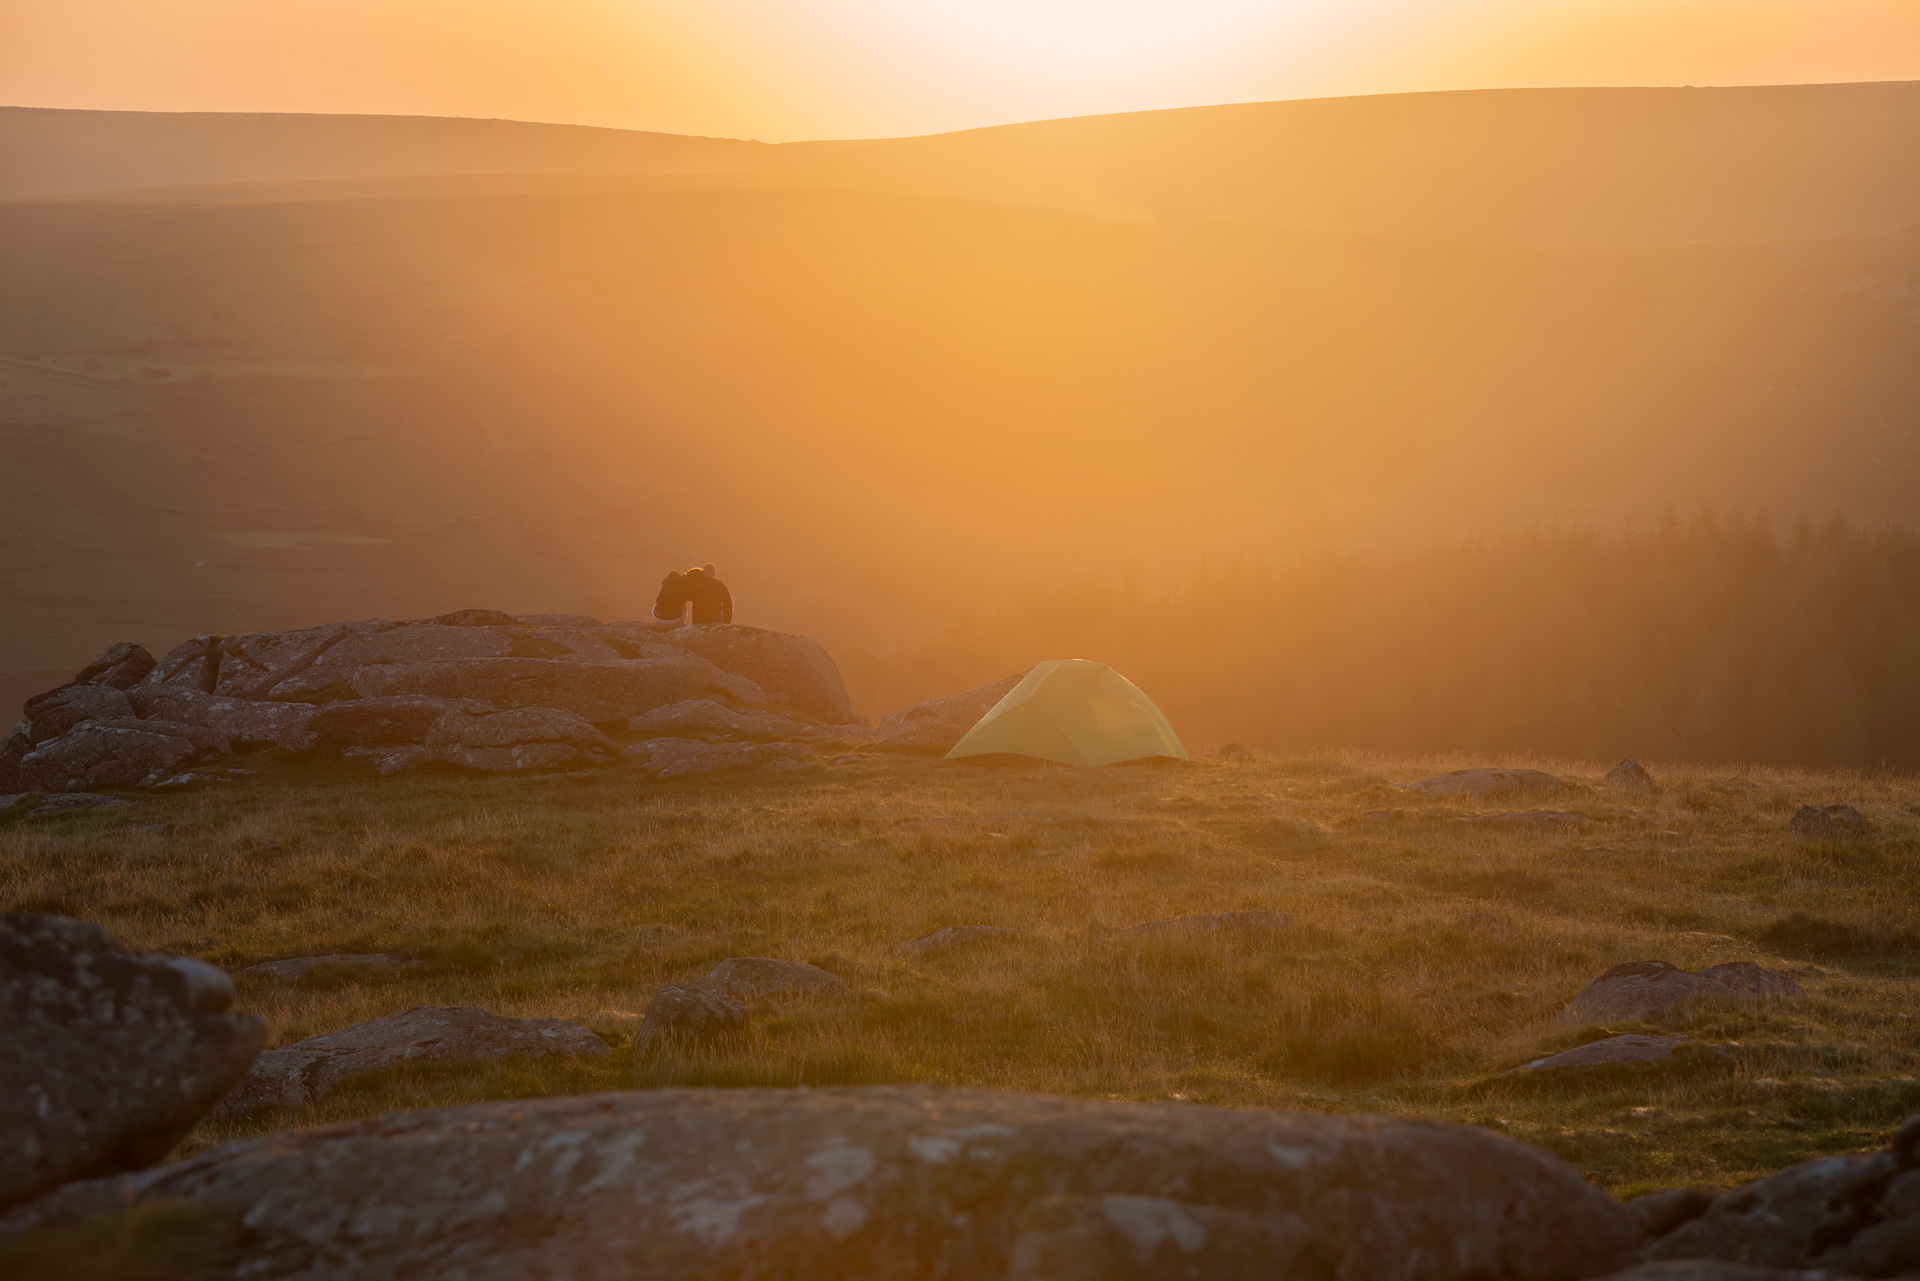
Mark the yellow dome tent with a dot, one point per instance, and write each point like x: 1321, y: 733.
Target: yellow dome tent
x: 1077, y: 713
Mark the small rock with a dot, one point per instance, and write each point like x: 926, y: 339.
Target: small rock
x: 308, y: 1070
x: 1234, y: 752
x: 1212, y: 923
x: 1641, y: 988
x: 1630, y: 776
x: 1835, y: 822
x: 690, y: 1011
x: 108, y: 1056
x: 123, y: 666
x: 294, y: 967
x: 747, y: 978
x: 1481, y: 783
x: 952, y: 936
x: 1615, y: 1050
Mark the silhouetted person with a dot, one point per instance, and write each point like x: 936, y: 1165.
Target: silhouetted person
x: 712, y: 602
x: 673, y: 599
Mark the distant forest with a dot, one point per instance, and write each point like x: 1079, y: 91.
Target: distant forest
x: 1710, y: 639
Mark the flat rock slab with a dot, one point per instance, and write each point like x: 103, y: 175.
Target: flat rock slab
x: 1211, y: 923
x: 1613, y: 1051
x: 294, y: 967
x: 107, y: 1056
x: 1479, y: 783
x: 309, y: 1070
x: 65, y: 803
x: 953, y: 936
x: 1641, y: 988
x: 1857, y: 1216
x: 747, y: 978
x: 966, y: 1185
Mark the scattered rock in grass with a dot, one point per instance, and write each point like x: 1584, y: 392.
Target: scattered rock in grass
x: 1542, y: 820
x: 308, y: 1070
x: 294, y: 967
x: 1613, y: 1051
x: 937, y: 725
x: 1211, y: 923
x: 108, y: 1056
x: 123, y: 666
x: 1641, y: 988
x: 689, y: 1011
x: 1835, y: 822
x: 62, y: 803
x: 950, y: 937
x: 706, y: 719
x: 1658, y: 1213
x: 684, y: 1184
x: 670, y: 758
x: 1234, y: 752
x: 747, y: 978
x: 1855, y: 1216
x: 1481, y: 783
x: 1630, y: 776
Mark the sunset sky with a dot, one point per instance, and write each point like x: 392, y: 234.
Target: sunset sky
x: 784, y: 69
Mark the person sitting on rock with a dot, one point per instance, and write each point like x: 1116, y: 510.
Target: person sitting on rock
x: 712, y: 602
x: 671, y: 603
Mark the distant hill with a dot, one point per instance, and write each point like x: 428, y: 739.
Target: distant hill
x: 1522, y: 166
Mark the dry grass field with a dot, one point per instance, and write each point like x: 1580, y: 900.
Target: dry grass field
x: 1428, y: 953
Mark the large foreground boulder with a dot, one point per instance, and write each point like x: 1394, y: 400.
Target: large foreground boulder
x: 1858, y: 1216
x: 796, y: 667
x: 965, y: 1185
x: 107, y: 1056
x: 935, y: 726
x: 1641, y: 988
x: 308, y: 1070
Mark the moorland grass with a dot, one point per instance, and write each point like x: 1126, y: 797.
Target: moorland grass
x: 1428, y: 954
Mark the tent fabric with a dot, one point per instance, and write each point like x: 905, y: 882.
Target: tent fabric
x: 1077, y: 713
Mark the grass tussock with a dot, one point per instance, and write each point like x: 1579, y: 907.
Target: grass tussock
x: 1426, y: 955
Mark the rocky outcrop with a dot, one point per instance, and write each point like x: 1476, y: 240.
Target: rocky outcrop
x: 1642, y: 988
x: 1630, y: 776
x: 707, y: 719
x: 671, y: 758
x: 193, y: 663
x: 308, y: 1070
x: 689, y: 1012
x: 375, y: 722
x: 1211, y: 923
x: 797, y: 668
x: 967, y: 1185
x: 246, y: 722
x: 1857, y: 1216
x: 107, y: 1056
x: 950, y: 937
x: 1614, y: 1051
x: 748, y: 978
x: 1833, y: 822
x: 123, y: 666
x: 53, y: 713
x: 1479, y: 784
x: 524, y: 739
x: 599, y: 692
x: 116, y: 753
x: 935, y: 726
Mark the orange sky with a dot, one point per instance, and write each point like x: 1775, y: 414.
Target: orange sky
x: 782, y: 69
